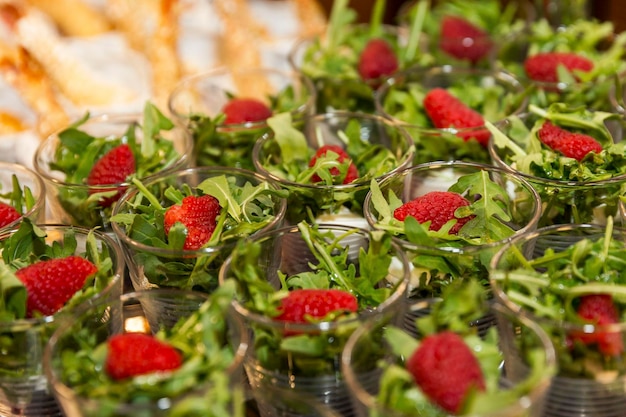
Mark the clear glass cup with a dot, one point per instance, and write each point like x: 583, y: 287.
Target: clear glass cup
x: 259, y: 266
x: 369, y: 361
x: 494, y: 94
x: 380, y: 148
x: 69, y: 203
x: 198, y: 101
x: 437, y: 261
x: 153, y: 263
x: 29, y: 198
x: 213, y: 340
x: 24, y: 389
x: 590, y: 375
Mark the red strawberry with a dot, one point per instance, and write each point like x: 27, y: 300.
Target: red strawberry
x: 132, y: 354
x: 242, y: 110
x: 543, y: 66
x: 600, y: 310
x: 113, y: 168
x: 8, y: 214
x: 446, y: 370
x: 572, y: 145
x: 447, y: 111
x: 315, y: 303
x: 377, y: 60
x: 463, y: 40
x: 51, y: 283
x: 198, y: 214
x: 438, y: 207
x: 352, y: 173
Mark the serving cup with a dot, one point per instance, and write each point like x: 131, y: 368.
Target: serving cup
x: 400, y: 99
x: 68, y: 202
x: 24, y: 389
x: 526, y: 354
x: 335, y: 203
x: 23, y: 189
x: 198, y: 101
x: 272, y: 359
x: 589, y: 379
x: 216, y: 341
x: 152, y: 263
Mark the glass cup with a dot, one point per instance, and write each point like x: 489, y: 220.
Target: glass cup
x: 376, y: 146
x: 24, y: 388
x: 211, y: 341
x: 198, y: 103
x: 494, y: 94
x: 589, y: 351
x: 24, y: 190
x: 304, y: 357
x: 438, y: 260
x: 69, y: 202
x: 372, y: 362
x: 155, y: 262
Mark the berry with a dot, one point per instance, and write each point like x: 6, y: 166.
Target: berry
x: 8, y: 214
x: 132, y: 354
x: 198, y: 214
x: 315, y: 303
x: 51, y: 283
x: 543, y: 66
x: 600, y: 310
x: 377, y: 60
x: 113, y: 168
x: 572, y: 145
x: 352, y: 173
x: 447, y: 111
x: 438, y: 207
x: 242, y: 110
x: 446, y: 370
x: 463, y: 40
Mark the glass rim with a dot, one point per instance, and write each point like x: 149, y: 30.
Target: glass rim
x: 120, y: 231
x: 39, y: 194
x: 468, y: 249
x: 396, y: 297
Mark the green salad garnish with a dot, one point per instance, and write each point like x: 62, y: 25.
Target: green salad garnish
x: 202, y: 386
x: 19, y: 197
x: 246, y: 208
x: 571, y: 191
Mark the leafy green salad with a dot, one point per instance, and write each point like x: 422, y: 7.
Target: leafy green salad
x: 20, y: 197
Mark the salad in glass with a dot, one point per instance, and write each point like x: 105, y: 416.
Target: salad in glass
x: 22, y: 194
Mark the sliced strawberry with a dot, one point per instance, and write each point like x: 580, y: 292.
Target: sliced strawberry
x: 242, y: 110
x: 113, y: 168
x: 543, y: 66
x: 463, y: 40
x: 315, y: 303
x: 8, y: 214
x: 570, y: 144
x: 377, y: 60
x: 599, y: 309
x: 342, y: 157
x: 438, y: 207
x: 198, y: 214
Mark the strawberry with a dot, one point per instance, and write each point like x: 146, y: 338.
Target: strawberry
x: 51, y: 283
x: 132, y: 354
x: 543, y: 66
x: 377, y: 60
x: 113, y: 168
x: 8, y: 214
x: 599, y: 309
x: 315, y: 303
x: 447, y: 111
x: 446, y: 370
x: 352, y: 173
x: 242, y: 110
x: 572, y: 145
x: 463, y: 40
x: 198, y: 214
x: 438, y: 207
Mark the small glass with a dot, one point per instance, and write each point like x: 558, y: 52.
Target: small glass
x: 437, y: 260
x: 24, y: 190
x: 153, y: 261
x: 589, y: 351
x: 211, y: 341
x: 376, y: 146
x: 493, y: 94
x: 24, y: 388
x: 198, y: 103
x: 304, y: 357
x: 78, y: 203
